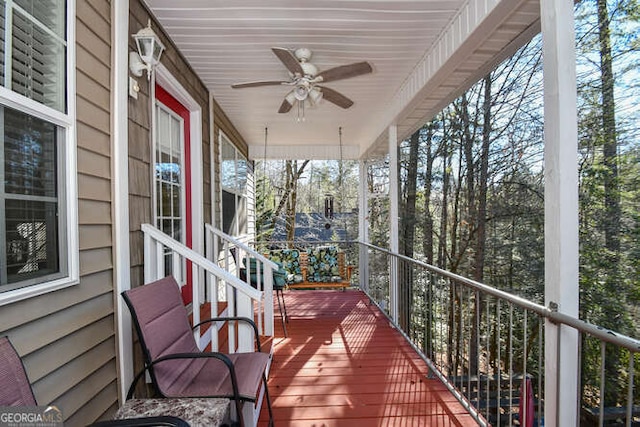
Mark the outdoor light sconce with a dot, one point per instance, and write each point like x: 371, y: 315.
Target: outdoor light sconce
x: 149, y: 50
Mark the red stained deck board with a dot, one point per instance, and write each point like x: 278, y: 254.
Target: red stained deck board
x: 343, y: 364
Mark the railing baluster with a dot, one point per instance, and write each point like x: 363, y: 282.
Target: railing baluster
x: 488, y: 361
x: 499, y: 357
x: 195, y: 289
x: 429, y: 308
x: 245, y: 332
x: 149, y: 261
x: 159, y: 273
x: 510, y: 362
x: 231, y: 307
x: 213, y: 311
x: 176, y: 268
x: 523, y: 383
x: 603, y: 357
x: 260, y: 277
x: 630, y: 389
x: 266, y: 305
x: 541, y: 369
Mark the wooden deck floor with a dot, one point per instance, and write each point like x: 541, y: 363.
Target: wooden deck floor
x: 343, y: 365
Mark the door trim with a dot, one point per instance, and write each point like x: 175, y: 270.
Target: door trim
x: 171, y: 85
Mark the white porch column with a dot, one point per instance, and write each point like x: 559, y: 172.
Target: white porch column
x: 363, y: 226
x: 561, y: 210
x: 120, y: 191
x: 394, y: 234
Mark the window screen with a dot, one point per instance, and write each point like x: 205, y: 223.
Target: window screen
x: 29, y: 198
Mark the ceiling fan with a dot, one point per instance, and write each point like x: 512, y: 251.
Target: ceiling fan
x: 305, y: 80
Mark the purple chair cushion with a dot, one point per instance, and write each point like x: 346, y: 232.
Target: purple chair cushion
x: 15, y: 389
x: 164, y: 329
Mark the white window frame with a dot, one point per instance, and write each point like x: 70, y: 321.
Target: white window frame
x: 222, y: 138
x: 158, y: 105
x: 68, y: 197
x: 183, y: 176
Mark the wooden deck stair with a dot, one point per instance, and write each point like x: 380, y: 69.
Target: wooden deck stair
x: 342, y: 364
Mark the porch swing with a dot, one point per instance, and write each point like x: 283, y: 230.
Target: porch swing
x: 322, y: 267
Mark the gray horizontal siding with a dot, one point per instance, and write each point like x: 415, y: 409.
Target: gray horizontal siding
x: 66, y: 338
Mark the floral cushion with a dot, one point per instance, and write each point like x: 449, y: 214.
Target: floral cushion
x: 279, y: 274
x: 290, y: 261
x: 323, y: 264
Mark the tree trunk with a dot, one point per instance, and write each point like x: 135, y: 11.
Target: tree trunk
x: 293, y: 173
x: 446, y: 161
x: 455, y: 219
x: 612, y: 214
x: 610, y: 145
x: 481, y: 220
x: 467, y: 142
x: 427, y: 243
x: 407, y: 233
x: 290, y: 211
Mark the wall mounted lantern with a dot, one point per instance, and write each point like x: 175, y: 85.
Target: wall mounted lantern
x: 149, y: 48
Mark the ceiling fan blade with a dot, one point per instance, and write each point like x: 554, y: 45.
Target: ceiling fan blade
x: 285, y: 107
x: 345, y: 71
x: 288, y: 59
x: 335, y: 97
x: 256, y: 84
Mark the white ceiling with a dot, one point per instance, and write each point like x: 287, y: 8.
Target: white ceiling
x: 423, y: 53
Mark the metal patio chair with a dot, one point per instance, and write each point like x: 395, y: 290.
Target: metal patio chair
x: 279, y: 283
x: 176, y: 365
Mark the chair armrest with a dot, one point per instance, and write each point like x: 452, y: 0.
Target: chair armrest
x: 236, y: 319
x: 204, y: 355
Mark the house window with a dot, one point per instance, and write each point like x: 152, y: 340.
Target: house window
x: 36, y: 247
x: 169, y: 173
x: 170, y: 182
x: 234, y: 171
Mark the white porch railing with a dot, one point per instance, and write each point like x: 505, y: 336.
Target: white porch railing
x: 165, y: 256
x: 232, y: 254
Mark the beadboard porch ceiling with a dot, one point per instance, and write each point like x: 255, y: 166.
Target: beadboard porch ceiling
x: 423, y: 52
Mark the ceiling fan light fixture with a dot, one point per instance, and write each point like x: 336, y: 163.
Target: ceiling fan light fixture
x: 301, y: 92
x: 315, y: 95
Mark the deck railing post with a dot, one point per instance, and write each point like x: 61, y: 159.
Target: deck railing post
x: 363, y: 228
x: 561, y: 209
